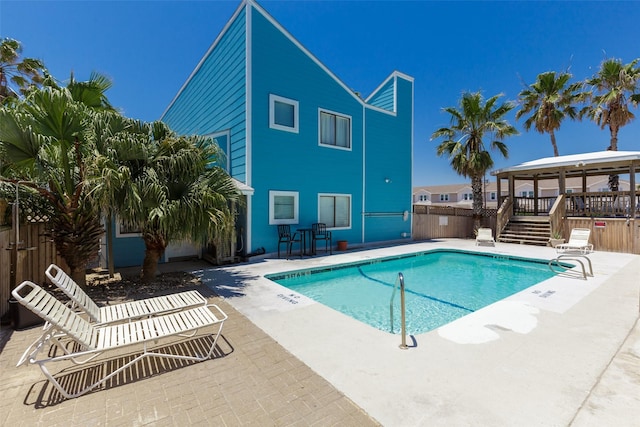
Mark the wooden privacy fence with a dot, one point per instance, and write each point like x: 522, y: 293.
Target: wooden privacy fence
x: 433, y: 222
x: 34, y: 256
x: 609, y: 234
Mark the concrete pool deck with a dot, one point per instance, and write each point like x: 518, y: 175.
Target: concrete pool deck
x: 566, y: 352
x: 563, y: 352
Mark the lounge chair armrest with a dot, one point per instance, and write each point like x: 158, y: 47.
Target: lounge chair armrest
x: 223, y: 316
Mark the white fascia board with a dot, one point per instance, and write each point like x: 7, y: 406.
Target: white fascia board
x: 583, y: 159
x: 394, y: 74
x: 293, y: 40
x: 213, y: 46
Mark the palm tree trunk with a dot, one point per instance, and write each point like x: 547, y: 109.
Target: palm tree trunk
x: 79, y: 275
x: 552, y: 134
x: 614, y: 182
x: 476, y: 189
x: 154, y: 248
x: 613, y: 129
x: 150, y: 264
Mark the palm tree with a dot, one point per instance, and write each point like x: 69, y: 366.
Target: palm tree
x: 172, y: 189
x: 92, y: 92
x: 550, y: 101
x: 21, y: 72
x: 43, y: 146
x: 614, y: 87
x: 464, y: 143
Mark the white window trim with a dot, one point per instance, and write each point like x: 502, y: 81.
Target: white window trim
x: 350, y: 209
x: 272, y: 113
x: 120, y: 234
x: 335, y: 113
x: 296, y: 204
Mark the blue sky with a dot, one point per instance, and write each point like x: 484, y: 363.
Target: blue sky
x: 149, y: 48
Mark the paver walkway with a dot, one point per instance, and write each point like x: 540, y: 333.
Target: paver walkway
x: 251, y: 381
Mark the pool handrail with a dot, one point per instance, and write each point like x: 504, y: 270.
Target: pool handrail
x: 573, y: 257
x: 403, y: 319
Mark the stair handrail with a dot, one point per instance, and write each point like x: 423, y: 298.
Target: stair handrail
x: 556, y: 215
x: 505, y: 212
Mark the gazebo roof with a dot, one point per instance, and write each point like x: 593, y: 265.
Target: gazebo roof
x: 597, y: 163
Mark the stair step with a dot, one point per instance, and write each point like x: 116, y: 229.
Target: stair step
x: 523, y: 241
x: 544, y: 237
x: 526, y: 230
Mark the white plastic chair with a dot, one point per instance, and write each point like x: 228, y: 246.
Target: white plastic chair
x: 578, y: 242
x: 485, y: 235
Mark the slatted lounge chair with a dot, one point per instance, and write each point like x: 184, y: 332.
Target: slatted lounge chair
x: 125, y: 311
x: 578, y: 242
x: 88, y: 340
x: 485, y: 235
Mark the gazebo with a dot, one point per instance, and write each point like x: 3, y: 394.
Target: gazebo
x: 610, y: 214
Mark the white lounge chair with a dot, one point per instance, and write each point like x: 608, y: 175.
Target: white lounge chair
x: 578, y: 242
x: 88, y: 340
x: 485, y: 235
x: 125, y: 311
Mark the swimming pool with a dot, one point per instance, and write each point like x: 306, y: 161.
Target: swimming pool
x: 441, y: 286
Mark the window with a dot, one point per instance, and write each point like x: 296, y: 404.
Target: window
x: 334, y: 210
x: 569, y: 190
x: 468, y: 196
x: 283, y: 113
x: 444, y: 197
x: 493, y: 196
x: 124, y: 230
x: 335, y: 130
x: 283, y: 207
x: 423, y: 198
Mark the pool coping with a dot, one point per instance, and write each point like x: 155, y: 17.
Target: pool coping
x: 559, y: 347
x: 391, y: 277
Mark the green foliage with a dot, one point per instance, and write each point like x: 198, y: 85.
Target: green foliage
x: 613, y: 89
x: 168, y: 186
x: 45, y: 150
x: 464, y: 140
x: 549, y: 100
x: 17, y: 74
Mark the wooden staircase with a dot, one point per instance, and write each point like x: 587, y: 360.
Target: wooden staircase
x: 527, y: 230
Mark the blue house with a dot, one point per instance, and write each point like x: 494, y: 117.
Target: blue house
x: 311, y: 149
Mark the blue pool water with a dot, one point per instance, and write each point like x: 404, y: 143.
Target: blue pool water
x: 441, y: 286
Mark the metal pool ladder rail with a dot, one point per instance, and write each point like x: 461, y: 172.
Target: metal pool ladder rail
x: 572, y: 257
x: 403, y: 323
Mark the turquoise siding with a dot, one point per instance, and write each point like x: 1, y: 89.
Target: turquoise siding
x: 214, y: 99
x: 384, y: 96
x: 294, y: 161
x: 389, y: 157
x: 127, y: 251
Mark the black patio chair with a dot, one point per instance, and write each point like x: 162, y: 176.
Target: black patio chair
x: 319, y: 232
x: 285, y: 236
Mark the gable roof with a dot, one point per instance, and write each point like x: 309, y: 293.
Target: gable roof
x: 253, y: 4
